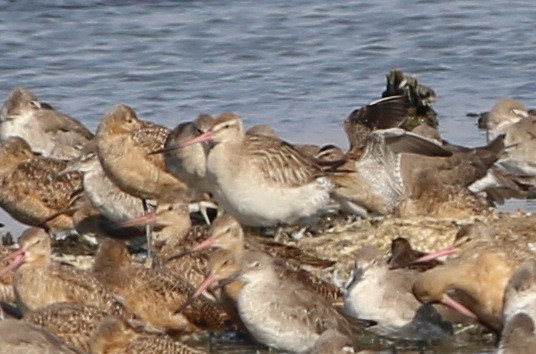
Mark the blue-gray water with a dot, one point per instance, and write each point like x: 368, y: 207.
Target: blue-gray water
x: 300, y: 66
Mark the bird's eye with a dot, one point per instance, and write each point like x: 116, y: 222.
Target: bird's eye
x: 256, y: 264
x: 227, y: 126
x: 170, y: 208
x: 225, y: 262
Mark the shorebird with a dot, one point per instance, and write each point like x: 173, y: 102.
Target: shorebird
x: 519, y: 312
x: 511, y: 117
x: 480, y: 270
x: 6, y: 281
x: 116, y: 336
x: 30, y: 191
x: 189, y: 163
x: 281, y: 313
x: 385, y: 113
x: 124, y: 144
x: 420, y: 96
x: 518, y: 336
x: 403, y: 256
x: 49, y: 132
x: 174, y: 234
x: 153, y: 295
x: 332, y: 342
x: 18, y: 337
x: 384, y: 295
x: 227, y: 234
x: 401, y: 166
x: 73, y: 323
x: 261, y: 181
x: 39, y: 281
x: 498, y: 183
x: 115, y: 204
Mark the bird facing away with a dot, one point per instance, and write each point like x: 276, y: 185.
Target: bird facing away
x: 49, y: 132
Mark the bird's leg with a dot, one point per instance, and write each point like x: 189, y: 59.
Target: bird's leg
x: 148, y: 233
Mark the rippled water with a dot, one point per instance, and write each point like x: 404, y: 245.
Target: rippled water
x: 300, y: 66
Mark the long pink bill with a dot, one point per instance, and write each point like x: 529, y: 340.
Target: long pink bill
x: 18, y: 257
x: 208, y: 243
x: 204, y: 286
x: 435, y: 255
x: 147, y: 219
x: 455, y: 305
x: 208, y: 136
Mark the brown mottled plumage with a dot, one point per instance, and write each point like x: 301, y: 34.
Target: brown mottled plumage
x: 19, y: 337
x: 73, y: 323
x: 124, y: 144
x: 174, y: 234
x: 151, y: 294
x: 116, y: 336
x: 109, y: 199
x: 6, y: 281
x: 30, y: 191
x: 39, y: 281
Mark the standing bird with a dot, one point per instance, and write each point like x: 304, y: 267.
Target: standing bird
x: 124, y: 143
x: 49, y: 132
x: 260, y: 180
x: 124, y: 146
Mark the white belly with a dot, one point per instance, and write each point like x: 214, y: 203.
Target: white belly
x: 245, y: 194
x: 271, y: 327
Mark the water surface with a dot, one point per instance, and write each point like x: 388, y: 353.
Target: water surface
x: 300, y: 66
